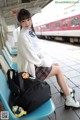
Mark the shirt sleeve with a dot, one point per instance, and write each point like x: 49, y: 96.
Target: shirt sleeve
x: 27, y: 51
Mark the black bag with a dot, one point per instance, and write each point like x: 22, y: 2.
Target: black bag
x: 27, y: 93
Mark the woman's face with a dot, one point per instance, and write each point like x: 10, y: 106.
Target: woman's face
x: 27, y: 23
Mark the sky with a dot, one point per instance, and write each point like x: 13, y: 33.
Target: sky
x: 55, y: 10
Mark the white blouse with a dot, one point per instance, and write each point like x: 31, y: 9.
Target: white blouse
x: 30, y: 53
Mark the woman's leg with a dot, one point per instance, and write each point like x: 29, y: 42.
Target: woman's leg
x: 56, y: 71
x: 70, y: 99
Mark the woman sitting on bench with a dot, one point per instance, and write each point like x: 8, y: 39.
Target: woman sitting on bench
x: 31, y: 58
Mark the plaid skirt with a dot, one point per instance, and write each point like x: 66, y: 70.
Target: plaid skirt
x: 42, y: 72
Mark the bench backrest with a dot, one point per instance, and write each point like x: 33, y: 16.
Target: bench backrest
x: 4, y: 90
x: 12, y: 50
x: 10, y: 63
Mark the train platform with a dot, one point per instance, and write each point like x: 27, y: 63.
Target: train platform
x: 68, y: 56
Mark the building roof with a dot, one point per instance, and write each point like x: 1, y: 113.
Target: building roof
x: 9, y: 8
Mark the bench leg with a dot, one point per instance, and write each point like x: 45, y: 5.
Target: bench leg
x: 54, y: 116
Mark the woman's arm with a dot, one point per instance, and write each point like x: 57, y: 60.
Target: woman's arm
x: 28, y: 52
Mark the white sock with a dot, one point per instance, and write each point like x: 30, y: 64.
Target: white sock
x: 69, y: 96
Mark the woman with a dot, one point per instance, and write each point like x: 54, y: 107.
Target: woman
x: 31, y: 58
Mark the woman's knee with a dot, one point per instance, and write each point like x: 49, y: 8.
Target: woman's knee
x: 55, y: 64
x: 56, y: 68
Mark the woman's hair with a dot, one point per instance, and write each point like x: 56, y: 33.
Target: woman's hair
x: 23, y: 14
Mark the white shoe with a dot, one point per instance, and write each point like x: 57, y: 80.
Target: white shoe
x: 71, y: 91
x: 71, y: 102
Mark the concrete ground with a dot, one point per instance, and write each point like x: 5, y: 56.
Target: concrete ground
x: 68, y: 56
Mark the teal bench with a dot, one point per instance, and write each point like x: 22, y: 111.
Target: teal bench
x: 12, y: 50
x: 40, y: 113
x: 10, y: 63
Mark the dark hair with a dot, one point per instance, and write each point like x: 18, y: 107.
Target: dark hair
x: 23, y: 14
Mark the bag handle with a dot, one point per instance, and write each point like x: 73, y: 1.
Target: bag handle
x: 13, y: 87
x: 9, y: 74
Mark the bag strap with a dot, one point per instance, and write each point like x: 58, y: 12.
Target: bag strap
x: 21, y: 82
x: 12, y: 85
